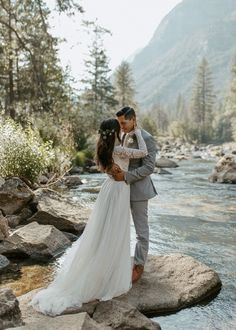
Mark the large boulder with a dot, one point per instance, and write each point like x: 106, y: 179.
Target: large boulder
x: 165, y: 162
x: 225, y: 170
x: 63, y: 213
x: 10, y: 314
x: 14, y: 195
x: 170, y: 283
x: 120, y: 315
x: 37, y: 241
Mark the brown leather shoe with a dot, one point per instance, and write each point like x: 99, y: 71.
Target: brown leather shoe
x: 137, y: 272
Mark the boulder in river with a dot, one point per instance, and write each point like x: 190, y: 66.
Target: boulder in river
x: 72, y: 181
x: 170, y: 283
x: 165, y: 162
x: 225, y: 170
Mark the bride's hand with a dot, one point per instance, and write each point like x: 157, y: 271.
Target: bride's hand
x: 115, y: 169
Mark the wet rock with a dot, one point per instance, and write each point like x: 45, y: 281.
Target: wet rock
x: 225, y: 170
x: 72, y: 181
x: 70, y: 236
x: 164, y: 162
x: 120, y: 315
x: 14, y: 195
x: 76, y: 170
x: 61, y: 212
x: 10, y: 314
x: 40, y: 242
x: 4, y: 263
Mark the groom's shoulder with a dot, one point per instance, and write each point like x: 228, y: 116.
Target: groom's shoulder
x: 146, y: 135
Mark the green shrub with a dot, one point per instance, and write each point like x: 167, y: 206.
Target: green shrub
x: 80, y: 158
x: 89, y: 153
x: 22, y: 152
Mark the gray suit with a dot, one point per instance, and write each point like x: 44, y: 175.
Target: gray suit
x: 141, y: 189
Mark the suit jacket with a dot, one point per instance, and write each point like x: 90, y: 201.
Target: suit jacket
x: 138, y: 174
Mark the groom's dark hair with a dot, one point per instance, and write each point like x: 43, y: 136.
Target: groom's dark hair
x: 127, y: 112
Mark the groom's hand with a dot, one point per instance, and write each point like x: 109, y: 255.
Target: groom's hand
x: 119, y: 176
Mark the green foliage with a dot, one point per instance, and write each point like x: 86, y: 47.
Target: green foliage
x: 80, y: 158
x: 22, y: 152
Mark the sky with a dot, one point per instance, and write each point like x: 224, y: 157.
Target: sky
x: 131, y: 22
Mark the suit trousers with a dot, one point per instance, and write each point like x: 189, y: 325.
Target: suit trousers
x: 139, y: 210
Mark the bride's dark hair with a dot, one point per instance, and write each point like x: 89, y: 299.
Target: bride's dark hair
x: 109, y: 130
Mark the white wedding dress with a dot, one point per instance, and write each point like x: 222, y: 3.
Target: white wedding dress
x: 98, y: 264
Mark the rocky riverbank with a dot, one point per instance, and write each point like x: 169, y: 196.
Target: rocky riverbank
x: 169, y: 283
x: 41, y: 224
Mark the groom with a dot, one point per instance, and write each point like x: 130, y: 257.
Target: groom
x: 141, y: 186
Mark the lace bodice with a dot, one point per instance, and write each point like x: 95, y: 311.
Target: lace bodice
x: 122, y: 154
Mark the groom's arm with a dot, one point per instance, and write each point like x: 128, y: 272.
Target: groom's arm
x: 148, y: 165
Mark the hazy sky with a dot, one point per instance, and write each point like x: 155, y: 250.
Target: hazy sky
x: 132, y: 23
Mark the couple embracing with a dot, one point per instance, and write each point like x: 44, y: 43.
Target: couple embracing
x: 98, y: 264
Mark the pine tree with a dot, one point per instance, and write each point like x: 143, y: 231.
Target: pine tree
x: 98, y: 97
x: 202, y: 103
x: 124, y: 85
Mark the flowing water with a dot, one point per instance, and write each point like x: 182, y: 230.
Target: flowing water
x: 190, y: 216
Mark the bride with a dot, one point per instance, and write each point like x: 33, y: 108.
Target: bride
x: 98, y: 264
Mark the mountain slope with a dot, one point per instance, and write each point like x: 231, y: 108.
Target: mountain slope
x: 193, y: 29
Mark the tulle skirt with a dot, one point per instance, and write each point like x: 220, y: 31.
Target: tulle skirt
x: 98, y: 264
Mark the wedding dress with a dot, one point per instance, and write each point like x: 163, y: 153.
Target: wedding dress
x: 98, y: 264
